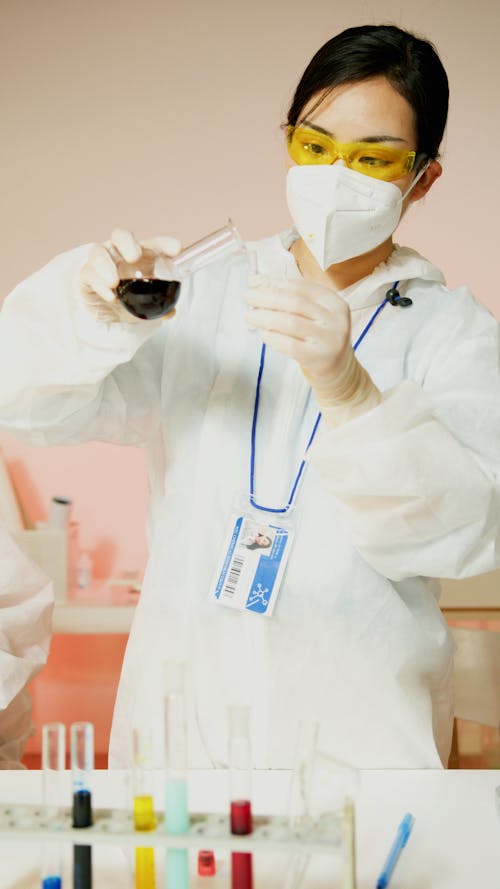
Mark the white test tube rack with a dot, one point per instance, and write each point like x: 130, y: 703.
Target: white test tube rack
x: 332, y: 832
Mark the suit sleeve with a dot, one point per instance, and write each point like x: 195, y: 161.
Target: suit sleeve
x: 418, y: 477
x: 66, y: 377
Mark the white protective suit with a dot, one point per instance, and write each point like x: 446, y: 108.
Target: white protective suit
x: 26, y: 603
x: 406, y: 492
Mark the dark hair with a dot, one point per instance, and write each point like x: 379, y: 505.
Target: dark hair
x: 410, y: 64
x: 256, y: 545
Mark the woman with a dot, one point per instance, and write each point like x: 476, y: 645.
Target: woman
x: 399, y: 482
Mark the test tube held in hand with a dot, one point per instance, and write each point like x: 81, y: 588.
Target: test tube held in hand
x: 82, y: 768
x: 149, y: 288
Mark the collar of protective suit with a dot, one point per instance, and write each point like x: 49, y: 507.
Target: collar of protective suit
x: 402, y: 265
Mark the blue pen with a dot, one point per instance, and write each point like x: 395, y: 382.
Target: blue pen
x: 397, y: 847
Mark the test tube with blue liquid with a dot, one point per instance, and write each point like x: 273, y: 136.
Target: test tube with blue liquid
x: 82, y: 769
x: 53, y: 766
x: 176, y: 798
x: 144, y: 813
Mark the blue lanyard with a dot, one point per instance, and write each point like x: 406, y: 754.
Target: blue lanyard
x: 284, y: 509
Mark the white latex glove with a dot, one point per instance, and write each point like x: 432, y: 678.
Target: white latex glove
x: 312, y: 324
x: 99, y: 276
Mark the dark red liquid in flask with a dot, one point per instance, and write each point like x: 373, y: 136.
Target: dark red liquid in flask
x: 148, y: 298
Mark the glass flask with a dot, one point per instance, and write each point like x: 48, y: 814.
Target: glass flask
x: 149, y: 288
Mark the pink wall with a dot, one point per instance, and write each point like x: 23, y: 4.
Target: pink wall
x: 109, y: 489
x: 164, y: 117
x: 76, y: 687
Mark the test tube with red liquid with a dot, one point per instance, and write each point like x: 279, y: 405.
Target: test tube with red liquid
x: 240, y: 772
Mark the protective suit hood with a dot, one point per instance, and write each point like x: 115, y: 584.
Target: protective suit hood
x: 404, y: 264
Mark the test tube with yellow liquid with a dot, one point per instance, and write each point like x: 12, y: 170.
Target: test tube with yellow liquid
x: 144, y: 813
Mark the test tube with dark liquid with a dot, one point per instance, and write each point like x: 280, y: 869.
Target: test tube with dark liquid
x: 82, y: 768
x: 147, y: 296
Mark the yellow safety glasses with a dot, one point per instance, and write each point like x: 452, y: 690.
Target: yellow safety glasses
x: 309, y: 146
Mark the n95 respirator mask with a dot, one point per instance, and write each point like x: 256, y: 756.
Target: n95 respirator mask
x: 340, y: 213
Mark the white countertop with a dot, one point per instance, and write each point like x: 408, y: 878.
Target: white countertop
x: 455, y: 843
x: 99, y: 609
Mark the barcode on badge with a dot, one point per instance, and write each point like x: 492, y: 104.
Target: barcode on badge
x: 233, y: 577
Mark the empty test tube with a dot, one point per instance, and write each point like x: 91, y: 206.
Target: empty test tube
x: 53, y: 765
x: 213, y: 246
x: 299, y: 802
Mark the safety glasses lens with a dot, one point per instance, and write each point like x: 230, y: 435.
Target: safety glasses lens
x: 308, y: 146
x: 380, y: 161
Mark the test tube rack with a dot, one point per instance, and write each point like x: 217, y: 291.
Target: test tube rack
x: 331, y: 832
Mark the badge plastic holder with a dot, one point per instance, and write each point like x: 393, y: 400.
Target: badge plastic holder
x: 253, y: 559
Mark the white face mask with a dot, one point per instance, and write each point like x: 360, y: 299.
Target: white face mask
x: 341, y: 213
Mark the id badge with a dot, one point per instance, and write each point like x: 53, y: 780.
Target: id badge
x: 254, y: 557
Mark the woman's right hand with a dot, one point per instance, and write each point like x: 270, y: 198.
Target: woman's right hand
x: 99, y: 276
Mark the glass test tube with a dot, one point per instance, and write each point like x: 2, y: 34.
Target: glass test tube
x: 144, y: 813
x: 149, y: 288
x: 176, y: 801
x: 53, y: 765
x: 299, y: 802
x: 219, y: 243
x: 240, y: 766
x: 82, y: 768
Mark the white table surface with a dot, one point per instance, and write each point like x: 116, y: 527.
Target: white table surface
x: 455, y: 843
x: 99, y: 609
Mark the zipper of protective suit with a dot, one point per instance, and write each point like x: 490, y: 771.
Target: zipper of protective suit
x: 392, y: 296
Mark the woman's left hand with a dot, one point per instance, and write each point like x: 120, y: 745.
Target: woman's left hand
x: 312, y: 324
